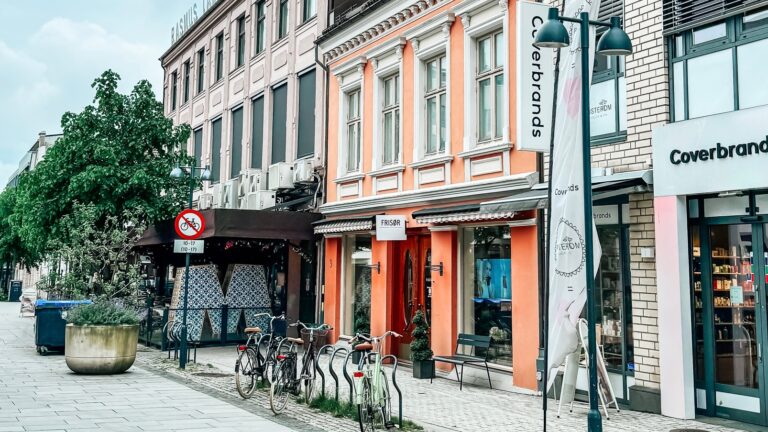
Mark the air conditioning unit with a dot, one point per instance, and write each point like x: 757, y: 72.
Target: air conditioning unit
x: 229, y: 194
x: 205, y: 201
x: 303, y: 171
x: 260, y: 200
x: 281, y: 176
x: 216, y: 193
x: 252, y: 180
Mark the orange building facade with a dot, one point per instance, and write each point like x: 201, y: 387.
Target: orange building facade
x: 420, y: 124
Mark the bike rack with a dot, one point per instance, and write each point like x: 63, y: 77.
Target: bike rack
x: 333, y: 372
x: 319, y: 369
x: 347, y: 377
x: 399, y: 393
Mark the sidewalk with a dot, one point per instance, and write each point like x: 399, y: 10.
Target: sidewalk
x: 439, y: 406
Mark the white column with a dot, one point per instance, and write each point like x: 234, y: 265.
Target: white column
x: 674, y: 302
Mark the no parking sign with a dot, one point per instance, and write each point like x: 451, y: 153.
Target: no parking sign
x: 189, y: 224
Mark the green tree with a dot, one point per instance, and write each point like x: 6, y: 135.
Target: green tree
x: 114, y: 157
x: 420, y: 349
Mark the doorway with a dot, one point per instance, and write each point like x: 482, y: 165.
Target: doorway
x: 728, y: 276
x: 413, y: 288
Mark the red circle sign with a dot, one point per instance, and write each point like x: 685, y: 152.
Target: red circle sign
x: 189, y: 224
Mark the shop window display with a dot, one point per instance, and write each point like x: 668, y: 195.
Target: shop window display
x: 357, y: 295
x: 487, y: 288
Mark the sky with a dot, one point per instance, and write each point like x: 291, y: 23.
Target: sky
x: 51, y: 51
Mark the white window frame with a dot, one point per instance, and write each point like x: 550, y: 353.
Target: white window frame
x: 479, y: 20
x: 491, y: 75
x: 352, y: 122
x: 441, y: 91
x: 387, y: 61
x: 395, y: 110
x: 349, y: 77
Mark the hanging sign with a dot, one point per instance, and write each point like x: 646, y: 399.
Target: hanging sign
x: 189, y: 224
x: 535, y: 80
x: 390, y: 227
x: 568, y: 253
x: 189, y: 246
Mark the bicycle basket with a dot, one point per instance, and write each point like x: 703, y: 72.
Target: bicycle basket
x: 321, y: 337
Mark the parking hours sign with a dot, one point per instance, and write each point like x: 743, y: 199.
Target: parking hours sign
x: 189, y: 224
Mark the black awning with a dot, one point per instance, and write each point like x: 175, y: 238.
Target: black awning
x: 240, y: 224
x: 465, y: 208
x: 528, y: 200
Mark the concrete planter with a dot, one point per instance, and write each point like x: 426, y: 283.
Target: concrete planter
x: 100, y: 350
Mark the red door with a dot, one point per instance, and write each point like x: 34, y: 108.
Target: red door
x: 412, y: 285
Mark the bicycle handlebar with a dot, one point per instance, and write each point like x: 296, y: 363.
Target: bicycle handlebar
x: 360, y: 336
x: 320, y: 327
x: 266, y: 314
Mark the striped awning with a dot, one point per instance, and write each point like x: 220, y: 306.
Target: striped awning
x: 463, y: 217
x: 335, y: 226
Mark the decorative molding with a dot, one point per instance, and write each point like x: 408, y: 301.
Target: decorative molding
x: 465, y: 20
x: 443, y: 228
x: 431, y: 160
x: 482, y: 150
x: 415, y: 42
x: 349, y: 178
x: 503, y: 5
x: 396, y: 19
x: 389, y: 169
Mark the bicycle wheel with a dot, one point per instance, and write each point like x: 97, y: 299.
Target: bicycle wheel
x: 245, y: 372
x: 386, y: 401
x: 366, y: 411
x: 278, y: 392
x: 308, y: 378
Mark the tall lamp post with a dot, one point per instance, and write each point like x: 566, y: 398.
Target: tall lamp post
x: 615, y: 41
x: 194, y: 173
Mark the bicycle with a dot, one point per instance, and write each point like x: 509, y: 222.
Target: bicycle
x: 374, y: 402
x: 251, y: 365
x: 286, y: 380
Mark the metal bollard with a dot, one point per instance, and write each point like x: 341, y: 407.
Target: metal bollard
x: 333, y: 372
x: 347, y: 377
x: 394, y: 382
x: 318, y: 368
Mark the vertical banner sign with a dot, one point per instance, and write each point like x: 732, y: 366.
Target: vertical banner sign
x: 567, y: 278
x: 535, y: 80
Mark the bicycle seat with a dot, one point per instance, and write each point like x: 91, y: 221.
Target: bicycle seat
x: 295, y: 340
x: 364, y: 347
x: 251, y: 330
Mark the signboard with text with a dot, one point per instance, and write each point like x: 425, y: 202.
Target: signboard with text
x: 390, y: 227
x: 188, y: 246
x: 535, y: 80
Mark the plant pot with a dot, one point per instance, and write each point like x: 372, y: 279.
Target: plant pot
x: 424, y: 369
x: 100, y: 350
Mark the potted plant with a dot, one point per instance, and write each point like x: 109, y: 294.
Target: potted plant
x: 362, y: 325
x: 101, y: 338
x: 421, y: 353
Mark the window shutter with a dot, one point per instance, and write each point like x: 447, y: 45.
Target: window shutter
x: 682, y: 15
x: 611, y: 8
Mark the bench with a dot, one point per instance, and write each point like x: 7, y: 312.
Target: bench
x: 460, y: 359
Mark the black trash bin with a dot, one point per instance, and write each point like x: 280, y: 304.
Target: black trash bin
x: 14, y: 291
x: 50, y: 325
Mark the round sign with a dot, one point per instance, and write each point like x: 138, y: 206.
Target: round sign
x: 189, y: 224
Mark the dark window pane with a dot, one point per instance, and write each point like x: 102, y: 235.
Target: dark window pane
x: 257, y: 132
x: 174, y: 83
x: 306, y: 124
x: 198, y: 147
x: 279, y: 122
x: 237, y: 143
x: 186, y: 81
x: 216, y: 151
x: 240, y: 41
x: 219, y: 56
x: 201, y: 70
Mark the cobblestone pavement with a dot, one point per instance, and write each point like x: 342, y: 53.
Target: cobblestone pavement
x: 440, y: 406
x: 40, y: 394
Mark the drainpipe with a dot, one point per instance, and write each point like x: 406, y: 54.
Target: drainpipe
x: 320, y: 280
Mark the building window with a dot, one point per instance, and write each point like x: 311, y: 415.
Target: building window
x: 435, y: 98
x: 216, y: 150
x: 261, y: 25
x: 279, y: 122
x: 237, y: 143
x: 219, y: 56
x: 718, y: 68
x: 309, y: 10
x: 185, y: 94
x: 353, y: 131
x: 201, y: 71
x: 608, y: 100
x: 174, y: 84
x: 490, y: 86
x: 198, y: 143
x: 305, y: 145
x: 257, y: 132
x: 390, y: 115
x: 487, y: 289
x: 357, y: 285
x: 241, y: 41
x: 282, y: 19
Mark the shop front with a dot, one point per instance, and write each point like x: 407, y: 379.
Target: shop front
x: 712, y: 210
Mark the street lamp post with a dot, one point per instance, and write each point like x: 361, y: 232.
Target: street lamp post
x: 615, y: 41
x: 205, y: 175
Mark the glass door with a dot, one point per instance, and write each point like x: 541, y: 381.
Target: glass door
x: 728, y: 273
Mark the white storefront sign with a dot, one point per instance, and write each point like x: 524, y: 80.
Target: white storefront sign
x: 189, y: 246
x: 390, y: 227
x: 535, y: 80
x: 719, y: 153
x: 568, y: 251
x: 606, y: 215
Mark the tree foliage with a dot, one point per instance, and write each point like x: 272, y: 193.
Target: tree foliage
x: 114, y: 157
x: 420, y: 349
